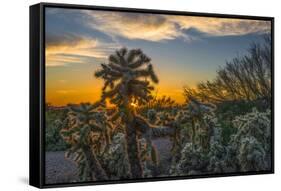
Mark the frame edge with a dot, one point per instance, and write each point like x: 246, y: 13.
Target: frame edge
x: 36, y: 54
x: 34, y: 96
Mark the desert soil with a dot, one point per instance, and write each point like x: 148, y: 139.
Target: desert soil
x: 62, y: 170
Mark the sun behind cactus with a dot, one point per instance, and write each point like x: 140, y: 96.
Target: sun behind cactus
x: 127, y: 83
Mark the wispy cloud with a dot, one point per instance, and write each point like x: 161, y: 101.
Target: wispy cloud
x: 69, y: 49
x: 154, y: 27
x: 133, y: 26
x: 221, y: 26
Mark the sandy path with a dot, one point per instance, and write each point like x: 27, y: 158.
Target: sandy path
x: 61, y: 170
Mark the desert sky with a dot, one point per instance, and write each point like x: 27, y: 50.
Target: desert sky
x: 184, y: 50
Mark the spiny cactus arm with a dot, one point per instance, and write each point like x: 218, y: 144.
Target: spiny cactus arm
x: 122, y: 52
x: 117, y: 100
x: 142, y: 60
x: 140, y: 93
x: 107, y: 138
x: 95, y: 128
x: 72, y: 150
x: 148, y: 90
x: 106, y: 84
x: 84, y: 133
x: 106, y: 71
x: 147, y: 72
x: 115, y: 116
x: 121, y: 56
x: 97, y: 171
x: 99, y: 73
x: 142, y: 89
x: 141, y: 124
x: 156, y: 131
x: 111, y: 93
x: 139, y: 82
x: 116, y: 67
x: 194, y: 100
x: 153, y: 76
x: 69, y: 132
x: 133, y: 55
x: 103, y: 71
x: 114, y: 59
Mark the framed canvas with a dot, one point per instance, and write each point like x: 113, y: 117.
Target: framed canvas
x: 121, y: 95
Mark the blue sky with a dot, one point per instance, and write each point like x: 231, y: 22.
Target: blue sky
x: 184, y: 50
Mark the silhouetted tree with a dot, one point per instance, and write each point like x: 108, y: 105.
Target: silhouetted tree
x: 244, y: 78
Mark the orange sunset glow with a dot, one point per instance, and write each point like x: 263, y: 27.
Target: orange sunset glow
x: 184, y: 50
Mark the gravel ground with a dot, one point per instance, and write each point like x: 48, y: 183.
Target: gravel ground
x: 163, y: 146
x: 61, y: 170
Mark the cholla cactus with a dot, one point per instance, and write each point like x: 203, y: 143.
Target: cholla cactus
x: 199, y: 138
x: 164, y: 118
x: 252, y: 142
x: 116, y: 158
x: 123, y: 77
x: 248, y: 149
x: 80, y: 128
x: 252, y: 155
x: 127, y: 83
x: 192, y: 161
x: 256, y: 124
x: 149, y: 157
x: 105, y: 132
x: 217, y: 153
x: 203, y: 121
x: 152, y: 116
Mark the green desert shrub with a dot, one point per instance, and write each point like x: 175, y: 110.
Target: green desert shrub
x: 53, y: 139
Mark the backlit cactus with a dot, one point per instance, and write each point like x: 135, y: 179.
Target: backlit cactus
x: 126, y: 85
x: 116, y: 158
x: 80, y: 128
x: 112, y: 143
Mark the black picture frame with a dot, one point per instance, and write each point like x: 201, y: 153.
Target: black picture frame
x: 37, y: 93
